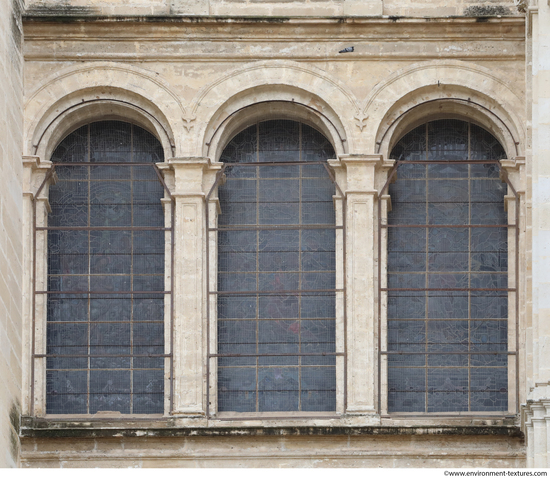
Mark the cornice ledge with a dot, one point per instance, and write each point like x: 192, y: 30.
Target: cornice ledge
x: 36, y: 428
x: 76, y: 17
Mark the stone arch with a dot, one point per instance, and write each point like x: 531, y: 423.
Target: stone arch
x: 104, y: 90
x: 271, y: 89
x: 444, y: 89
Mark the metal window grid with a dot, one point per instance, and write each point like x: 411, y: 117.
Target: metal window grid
x: 258, y: 293
x: 134, y: 356
x: 383, y: 292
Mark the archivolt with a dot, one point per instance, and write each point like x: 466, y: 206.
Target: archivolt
x: 445, y: 88
x: 274, y: 81
x: 101, y: 90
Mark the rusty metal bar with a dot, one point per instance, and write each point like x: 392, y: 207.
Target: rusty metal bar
x: 101, y: 355
x: 207, y: 237
x: 449, y: 161
x: 276, y: 163
x: 395, y: 352
x: 272, y: 227
x: 447, y: 226
x: 451, y: 415
x: 303, y: 354
x: 465, y: 289
x: 103, y: 163
x: 103, y: 292
x: 152, y: 417
x: 99, y: 228
x: 103, y: 322
x: 277, y: 292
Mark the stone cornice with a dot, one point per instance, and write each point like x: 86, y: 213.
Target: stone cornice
x: 374, y: 38
x: 280, y: 28
x: 40, y: 428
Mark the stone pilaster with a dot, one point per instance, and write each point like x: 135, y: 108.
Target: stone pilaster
x: 536, y: 426
x: 358, y: 179
x: 192, y: 178
x: 35, y: 209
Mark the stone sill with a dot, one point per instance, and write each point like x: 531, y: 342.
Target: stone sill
x: 40, y: 428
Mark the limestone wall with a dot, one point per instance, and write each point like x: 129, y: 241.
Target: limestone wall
x: 11, y: 85
x: 192, y: 83
x: 436, y: 8
x: 277, y: 450
x: 537, y: 409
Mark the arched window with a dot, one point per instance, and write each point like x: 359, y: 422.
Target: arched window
x: 276, y: 272
x: 447, y: 272
x: 106, y: 241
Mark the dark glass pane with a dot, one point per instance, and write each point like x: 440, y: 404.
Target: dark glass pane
x: 484, y: 146
x: 412, y: 146
x: 447, y: 140
x: 276, y: 324
x: 96, y: 333
x: 452, y: 324
x: 66, y: 392
x: 73, y: 149
x: 448, y: 171
x: 406, y: 305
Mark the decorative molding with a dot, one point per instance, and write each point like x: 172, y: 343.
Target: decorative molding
x: 187, y: 122
x: 361, y: 118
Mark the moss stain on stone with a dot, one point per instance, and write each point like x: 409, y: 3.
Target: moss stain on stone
x: 15, y: 416
x: 486, y: 11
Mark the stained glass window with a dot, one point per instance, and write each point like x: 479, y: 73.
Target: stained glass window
x: 447, y: 282
x: 106, y: 240
x: 276, y: 279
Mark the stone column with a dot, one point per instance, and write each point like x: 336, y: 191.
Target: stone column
x: 357, y: 177
x: 192, y: 178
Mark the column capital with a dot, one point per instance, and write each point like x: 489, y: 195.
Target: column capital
x: 192, y: 174
x: 359, y: 172
x: 190, y: 162
x: 34, y: 172
x: 350, y: 160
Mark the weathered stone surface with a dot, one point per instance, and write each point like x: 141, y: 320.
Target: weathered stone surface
x: 195, y: 73
x: 11, y: 123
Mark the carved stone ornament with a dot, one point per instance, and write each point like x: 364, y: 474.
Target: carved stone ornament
x: 361, y: 120
x: 188, y: 123
x: 521, y: 5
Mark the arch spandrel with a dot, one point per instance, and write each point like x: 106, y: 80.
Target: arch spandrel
x: 282, y: 81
